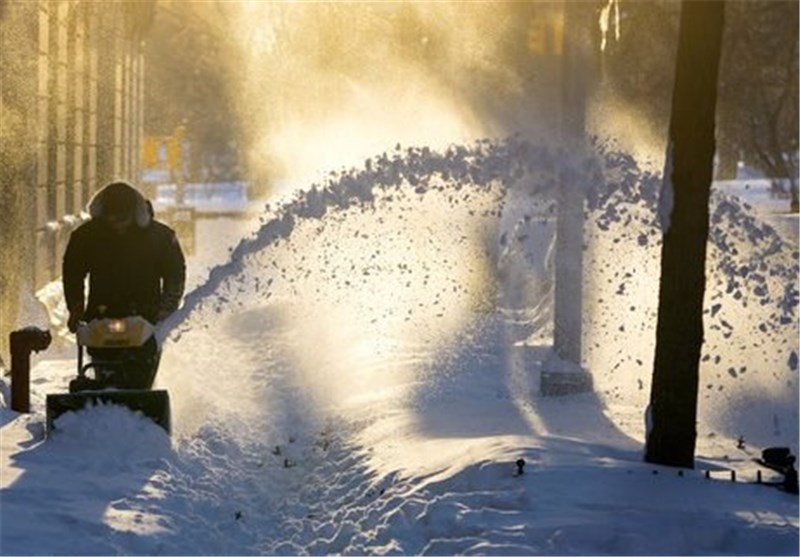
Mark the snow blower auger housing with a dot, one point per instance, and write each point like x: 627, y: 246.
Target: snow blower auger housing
x: 124, y: 361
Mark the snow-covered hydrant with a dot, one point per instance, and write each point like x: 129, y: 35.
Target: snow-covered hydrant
x: 22, y: 343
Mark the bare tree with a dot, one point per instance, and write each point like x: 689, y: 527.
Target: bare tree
x: 759, y: 96
x: 687, y: 186
x: 757, y: 113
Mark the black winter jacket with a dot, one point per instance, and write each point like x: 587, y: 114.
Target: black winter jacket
x: 141, y: 271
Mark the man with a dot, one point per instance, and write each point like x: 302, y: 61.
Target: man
x: 135, y: 267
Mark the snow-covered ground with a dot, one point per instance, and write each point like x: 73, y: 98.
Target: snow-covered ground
x: 360, y: 375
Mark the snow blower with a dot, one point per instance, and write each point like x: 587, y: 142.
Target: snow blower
x: 124, y: 361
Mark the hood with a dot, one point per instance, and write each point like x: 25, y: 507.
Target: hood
x: 142, y: 214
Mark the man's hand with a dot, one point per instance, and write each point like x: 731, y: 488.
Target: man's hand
x: 75, y: 316
x: 162, y: 315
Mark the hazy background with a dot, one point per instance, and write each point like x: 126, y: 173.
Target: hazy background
x: 288, y: 89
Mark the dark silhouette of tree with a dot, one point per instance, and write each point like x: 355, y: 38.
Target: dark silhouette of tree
x: 679, y: 331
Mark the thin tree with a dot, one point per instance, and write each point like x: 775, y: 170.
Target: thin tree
x: 679, y: 332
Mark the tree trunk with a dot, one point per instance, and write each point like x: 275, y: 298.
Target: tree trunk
x: 679, y: 333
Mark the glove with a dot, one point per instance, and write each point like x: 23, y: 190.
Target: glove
x: 75, y: 316
x: 162, y: 315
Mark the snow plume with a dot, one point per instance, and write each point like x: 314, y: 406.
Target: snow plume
x: 416, y: 243
x: 747, y: 378
x: 399, y: 251
x: 750, y: 310
x: 487, y: 164
x: 528, y: 170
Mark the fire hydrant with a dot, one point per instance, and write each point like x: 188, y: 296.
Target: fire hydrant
x: 22, y: 343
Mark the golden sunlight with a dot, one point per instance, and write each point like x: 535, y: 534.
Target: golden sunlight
x: 328, y: 85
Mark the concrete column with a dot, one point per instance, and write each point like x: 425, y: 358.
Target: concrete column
x: 564, y: 373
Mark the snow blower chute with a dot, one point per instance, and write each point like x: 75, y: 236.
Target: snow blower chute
x: 124, y: 361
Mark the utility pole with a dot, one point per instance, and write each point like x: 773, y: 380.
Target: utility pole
x: 563, y: 373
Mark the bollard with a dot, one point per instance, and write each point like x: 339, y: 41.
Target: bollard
x: 22, y: 343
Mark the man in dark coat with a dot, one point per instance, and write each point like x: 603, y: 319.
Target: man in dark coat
x: 134, y: 263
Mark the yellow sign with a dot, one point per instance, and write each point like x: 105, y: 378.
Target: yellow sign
x: 162, y: 152
x: 150, y: 152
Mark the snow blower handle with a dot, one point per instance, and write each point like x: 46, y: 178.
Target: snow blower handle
x: 124, y: 332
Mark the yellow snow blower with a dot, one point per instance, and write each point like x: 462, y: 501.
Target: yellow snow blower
x: 124, y: 360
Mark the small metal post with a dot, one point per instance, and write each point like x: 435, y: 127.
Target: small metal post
x: 22, y: 343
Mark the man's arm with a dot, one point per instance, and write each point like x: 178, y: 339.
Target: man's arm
x: 174, y: 277
x: 74, y: 269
